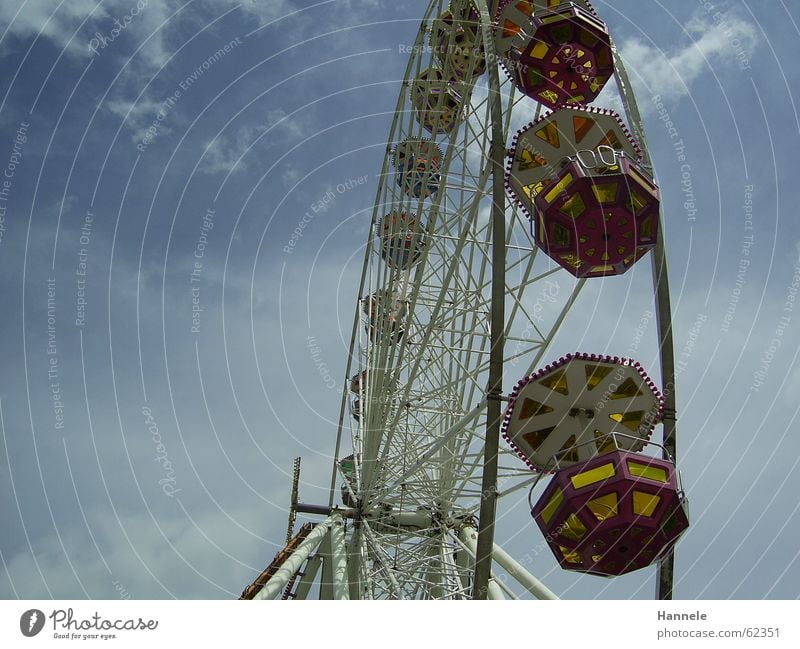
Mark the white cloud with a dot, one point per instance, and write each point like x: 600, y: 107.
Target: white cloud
x: 279, y: 122
x: 46, y: 18
x: 137, y: 116
x: 225, y: 153
x: 726, y: 41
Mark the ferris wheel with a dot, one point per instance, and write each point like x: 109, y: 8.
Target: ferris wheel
x: 496, y: 104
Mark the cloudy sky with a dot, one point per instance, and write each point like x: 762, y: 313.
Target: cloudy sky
x: 157, y: 376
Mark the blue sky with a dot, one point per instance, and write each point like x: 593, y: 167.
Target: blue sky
x: 163, y: 468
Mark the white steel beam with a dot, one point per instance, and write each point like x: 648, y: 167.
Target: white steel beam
x: 306, y: 581
x: 326, y: 583
x: 339, y: 560
x: 279, y: 580
x: 469, y: 539
x: 493, y: 590
x: 526, y: 579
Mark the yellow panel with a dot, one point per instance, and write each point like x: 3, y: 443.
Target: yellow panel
x: 549, y: 95
x: 552, y: 19
x: 531, y: 408
x: 557, y: 381
x: 605, y: 506
x: 639, y: 179
x: 650, y: 472
x: 536, y: 438
x: 637, y: 202
x: 528, y: 160
x: 595, y: 374
x: 534, y: 76
x: 605, y: 268
x: 644, y: 504
x: 549, y: 133
x: 572, y: 260
x: 631, y: 420
x: 573, y: 528
x: 552, y: 507
x: 540, y: 50
x: 570, y: 556
x: 611, y: 140
x: 574, y: 206
x: 627, y: 390
x: 532, y: 190
x: 605, y: 193
x: 588, y: 38
x: 647, y: 229
x: 605, y: 443
x: 593, y: 476
x: 561, y: 236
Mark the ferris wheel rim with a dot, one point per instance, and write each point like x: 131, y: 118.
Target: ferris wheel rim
x: 434, y: 534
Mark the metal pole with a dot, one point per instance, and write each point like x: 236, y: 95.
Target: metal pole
x: 483, y: 559
x: 312, y: 509
x: 469, y: 539
x: 339, y: 560
x: 526, y: 579
x: 279, y: 580
x: 666, y: 567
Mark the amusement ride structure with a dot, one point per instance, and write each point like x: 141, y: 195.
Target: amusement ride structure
x: 445, y: 306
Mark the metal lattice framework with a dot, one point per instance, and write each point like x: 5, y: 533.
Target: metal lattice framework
x: 420, y: 348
